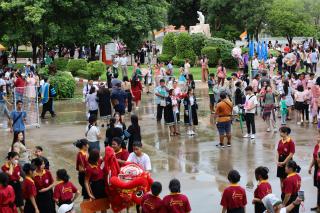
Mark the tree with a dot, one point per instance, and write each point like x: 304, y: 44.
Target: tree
x: 183, y: 12
x: 289, y: 18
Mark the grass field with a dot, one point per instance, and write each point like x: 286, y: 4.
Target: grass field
x: 195, y: 71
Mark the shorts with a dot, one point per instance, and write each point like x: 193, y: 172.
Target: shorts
x: 299, y: 106
x: 224, y: 127
x: 119, y: 109
x: 212, y: 100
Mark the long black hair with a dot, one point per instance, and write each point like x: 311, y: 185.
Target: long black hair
x: 286, y: 87
x: 135, y: 124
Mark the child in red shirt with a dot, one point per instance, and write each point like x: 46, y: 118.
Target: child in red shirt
x: 81, y: 164
x: 291, y: 185
x: 121, y: 152
x: 234, y: 197
x: 13, y: 170
x: 263, y: 189
x: 64, y: 192
x: 176, y: 202
x: 44, y: 184
x: 152, y: 203
x: 7, y: 196
x: 29, y: 190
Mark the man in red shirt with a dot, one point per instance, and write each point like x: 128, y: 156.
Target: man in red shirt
x: 19, y: 84
x: 176, y: 202
x: 152, y: 203
x: 234, y: 197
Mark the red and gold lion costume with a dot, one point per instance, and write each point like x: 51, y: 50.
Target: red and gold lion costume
x: 125, y: 186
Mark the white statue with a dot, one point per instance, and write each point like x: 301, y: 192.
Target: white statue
x: 201, y: 17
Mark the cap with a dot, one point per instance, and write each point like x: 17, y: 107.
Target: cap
x: 64, y: 208
x: 270, y: 201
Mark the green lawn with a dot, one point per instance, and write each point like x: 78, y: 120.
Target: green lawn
x: 195, y: 71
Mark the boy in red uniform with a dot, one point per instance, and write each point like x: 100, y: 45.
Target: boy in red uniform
x: 81, y: 164
x: 263, y: 189
x: 176, y: 202
x: 286, y: 150
x: 152, y: 203
x: 29, y: 190
x: 234, y: 197
x: 7, y: 196
x: 121, y: 153
x: 64, y: 190
x: 291, y: 185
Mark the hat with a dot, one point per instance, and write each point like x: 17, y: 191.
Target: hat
x: 64, y: 208
x: 269, y: 201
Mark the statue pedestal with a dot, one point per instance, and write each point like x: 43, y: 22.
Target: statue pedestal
x: 201, y: 28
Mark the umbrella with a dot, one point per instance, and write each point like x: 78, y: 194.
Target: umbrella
x: 2, y: 47
x: 251, y: 49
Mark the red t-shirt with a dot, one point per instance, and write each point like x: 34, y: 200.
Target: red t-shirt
x: 152, y: 204
x: 82, y: 159
x: 94, y: 173
x: 263, y: 189
x: 234, y: 197
x: 123, y: 154
x: 43, y: 180
x: 292, y: 184
x: 315, y: 152
x: 15, y: 174
x: 7, y: 198
x: 64, y: 191
x: 176, y: 203
x: 28, y: 188
x: 286, y: 147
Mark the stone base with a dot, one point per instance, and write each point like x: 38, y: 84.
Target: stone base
x: 200, y: 28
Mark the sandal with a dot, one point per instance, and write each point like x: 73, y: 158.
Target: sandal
x: 177, y: 133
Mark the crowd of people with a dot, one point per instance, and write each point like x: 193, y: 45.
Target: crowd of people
x: 276, y: 90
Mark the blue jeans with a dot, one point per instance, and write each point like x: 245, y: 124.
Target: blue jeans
x: 254, y: 72
x: 94, y: 145
x: 283, y: 117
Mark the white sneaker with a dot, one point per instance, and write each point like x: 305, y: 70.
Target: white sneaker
x: 298, y: 123
x: 252, y: 137
x: 246, y: 136
x: 268, y: 130
x: 275, y: 130
x: 192, y: 132
x: 188, y: 132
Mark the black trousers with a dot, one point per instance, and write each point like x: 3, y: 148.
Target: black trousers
x: 251, y: 127
x: 305, y: 111
x: 160, y: 110
x: 129, y: 100
x: 47, y: 107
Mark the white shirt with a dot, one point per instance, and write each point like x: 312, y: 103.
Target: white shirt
x: 255, y: 64
x: 86, y: 89
x: 123, y: 61
x: 92, y: 134
x: 186, y: 68
x: 91, y: 100
x: 251, y: 100
x: 143, y: 160
x: 116, y: 62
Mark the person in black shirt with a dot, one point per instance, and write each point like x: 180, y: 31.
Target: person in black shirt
x: 279, y: 62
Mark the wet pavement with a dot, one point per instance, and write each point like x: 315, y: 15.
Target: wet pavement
x: 195, y: 161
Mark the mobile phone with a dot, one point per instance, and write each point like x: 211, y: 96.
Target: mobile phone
x: 301, y: 195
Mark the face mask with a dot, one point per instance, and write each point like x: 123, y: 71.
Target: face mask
x: 15, y: 162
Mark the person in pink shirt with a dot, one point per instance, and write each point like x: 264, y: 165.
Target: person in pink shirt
x: 311, y: 81
x: 221, y: 73
x: 315, y: 100
x: 255, y: 84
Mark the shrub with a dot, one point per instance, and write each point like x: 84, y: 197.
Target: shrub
x: 44, y: 71
x: 212, y: 54
x: 244, y: 49
x: 61, y: 63
x: 18, y: 66
x: 197, y: 42
x: 164, y: 58
x: 227, y: 59
x: 184, y: 46
x: 24, y: 54
x: 168, y: 45
x: 83, y: 74
x: 96, y: 69
x: 178, y: 61
x: 64, y: 84
x: 273, y: 52
x: 219, y: 43
x: 76, y: 64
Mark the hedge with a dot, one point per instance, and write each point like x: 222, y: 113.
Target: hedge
x: 227, y: 59
x: 83, y: 74
x: 76, y: 64
x: 24, y: 54
x: 178, y: 61
x: 219, y: 43
x: 64, y: 84
x: 212, y: 54
x: 169, y: 45
x: 184, y: 46
x: 164, y: 58
x: 96, y: 69
x: 61, y: 63
x: 198, y: 40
